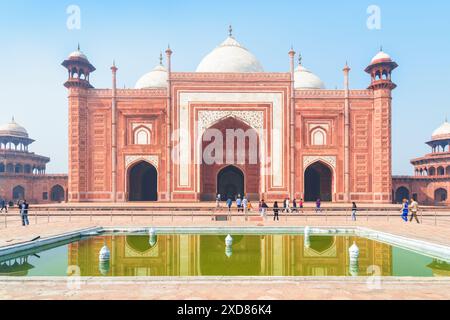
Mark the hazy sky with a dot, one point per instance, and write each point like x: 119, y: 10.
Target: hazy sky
x: 35, y: 40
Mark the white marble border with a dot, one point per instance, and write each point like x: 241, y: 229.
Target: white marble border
x: 274, y: 98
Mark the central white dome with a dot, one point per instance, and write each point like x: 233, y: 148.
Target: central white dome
x: 230, y: 57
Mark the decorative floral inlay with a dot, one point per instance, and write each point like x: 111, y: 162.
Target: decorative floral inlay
x: 154, y: 160
x: 254, y: 119
x: 331, y: 160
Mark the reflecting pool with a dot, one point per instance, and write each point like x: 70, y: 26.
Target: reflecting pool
x: 208, y: 255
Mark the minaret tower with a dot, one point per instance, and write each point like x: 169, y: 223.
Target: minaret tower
x: 380, y: 70
x: 79, y: 69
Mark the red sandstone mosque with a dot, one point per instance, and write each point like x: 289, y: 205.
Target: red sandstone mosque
x: 146, y: 143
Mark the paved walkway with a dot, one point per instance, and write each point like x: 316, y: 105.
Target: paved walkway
x: 299, y: 289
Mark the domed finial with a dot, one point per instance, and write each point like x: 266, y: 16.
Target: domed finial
x: 78, y: 46
x: 230, y: 30
x: 381, y: 48
x: 12, y: 120
x: 160, y: 58
x: 168, y: 50
x: 300, y: 59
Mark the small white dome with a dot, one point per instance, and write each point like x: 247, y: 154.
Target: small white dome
x: 442, y: 132
x: 381, y: 57
x: 13, y: 129
x: 230, y: 57
x: 157, y: 78
x: 305, y: 79
x: 78, y: 54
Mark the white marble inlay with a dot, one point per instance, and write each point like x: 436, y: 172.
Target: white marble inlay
x: 254, y: 119
x: 186, y: 98
x: 308, y: 160
x: 153, y: 160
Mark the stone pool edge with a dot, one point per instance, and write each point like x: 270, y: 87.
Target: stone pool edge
x: 227, y: 279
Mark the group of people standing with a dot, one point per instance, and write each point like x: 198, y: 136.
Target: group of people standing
x: 244, y: 205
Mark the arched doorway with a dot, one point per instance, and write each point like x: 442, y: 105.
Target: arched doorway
x: 230, y: 182
x: 57, y: 194
x: 318, y: 182
x: 18, y: 193
x: 143, y: 182
x: 230, y: 142
x: 440, y: 195
x: 400, y: 194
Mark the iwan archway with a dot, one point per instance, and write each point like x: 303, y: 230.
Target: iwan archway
x: 142, y: 182
x: 318, y: 182
x: 231, y: 163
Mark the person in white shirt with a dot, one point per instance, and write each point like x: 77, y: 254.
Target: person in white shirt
x: 414, y: 208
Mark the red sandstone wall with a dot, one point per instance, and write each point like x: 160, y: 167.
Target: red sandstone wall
x: 34, y: 185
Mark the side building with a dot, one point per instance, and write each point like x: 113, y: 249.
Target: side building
x: 431, y: 181
x: 22, y: 173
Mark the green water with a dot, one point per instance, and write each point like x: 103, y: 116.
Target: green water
x: 207, y: 255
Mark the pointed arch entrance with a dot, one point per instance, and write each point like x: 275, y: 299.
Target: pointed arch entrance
x: 401, y: 194
x: 18, y: 193
x: 232, y: 165
x: 230, y: 182
x: 142, y: 182
x: 318, y: 182
x: 57, y: 194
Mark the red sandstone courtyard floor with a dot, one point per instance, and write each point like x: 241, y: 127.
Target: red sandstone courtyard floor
x: 219, y: 288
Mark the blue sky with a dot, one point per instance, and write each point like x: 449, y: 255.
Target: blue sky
x: 35, y: 40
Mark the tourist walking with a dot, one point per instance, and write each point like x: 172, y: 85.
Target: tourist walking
x: 3, y: 205
x: 239, y: 204
x: 286, y: 205
x: 276, y: 210
x: 264, y: 207
x: 354, y: 210
x: 249, y: 206
x: 405, y: 210
x: 318, y: 206
x: 414, y: 208
x: 301, y: 204
x: 218, y: 199
x: 229, y: 204
x: 24, y: 213
x: 245, y: 204
x: 294, y: 206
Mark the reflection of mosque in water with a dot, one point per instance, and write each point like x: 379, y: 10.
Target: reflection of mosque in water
x: 206, y: 255
x: 15, y: 268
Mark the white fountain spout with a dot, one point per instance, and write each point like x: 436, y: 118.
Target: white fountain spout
x: 105, y: 254
x: 229, y: 241
x: 354, y: 252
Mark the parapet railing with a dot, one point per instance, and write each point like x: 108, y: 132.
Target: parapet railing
x: 35, y: 217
